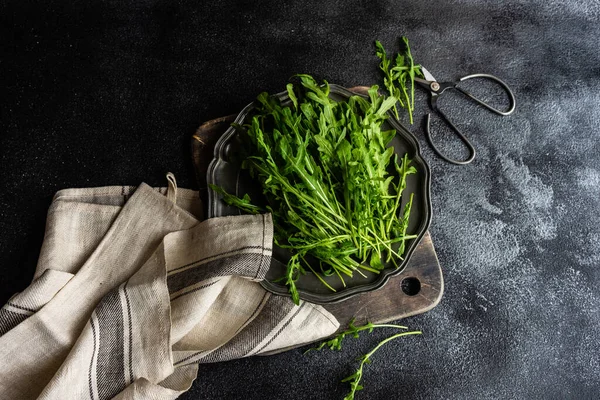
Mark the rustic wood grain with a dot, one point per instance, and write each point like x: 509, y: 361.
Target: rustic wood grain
x: 389, y: 303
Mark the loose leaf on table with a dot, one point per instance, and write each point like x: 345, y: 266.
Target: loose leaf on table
x: 399, y: 77
x: 336, y: 344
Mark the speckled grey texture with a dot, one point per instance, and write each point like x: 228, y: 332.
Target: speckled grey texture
x: 100, y: 93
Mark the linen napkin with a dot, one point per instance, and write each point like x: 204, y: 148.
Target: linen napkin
x: 132, y: 291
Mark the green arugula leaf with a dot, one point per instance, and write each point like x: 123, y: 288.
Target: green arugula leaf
x: 325, y: 171
x: 399, y: 78
x: 335, y: 343
x: 241, y: 203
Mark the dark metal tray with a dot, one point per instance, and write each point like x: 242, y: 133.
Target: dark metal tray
x: 224, y: 170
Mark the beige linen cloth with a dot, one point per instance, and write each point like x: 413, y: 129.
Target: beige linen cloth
x: 132, y: 291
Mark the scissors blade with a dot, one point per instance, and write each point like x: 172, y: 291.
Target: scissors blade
x: 427, y: 74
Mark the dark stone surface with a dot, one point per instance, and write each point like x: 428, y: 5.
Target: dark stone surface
x: 108, y: 92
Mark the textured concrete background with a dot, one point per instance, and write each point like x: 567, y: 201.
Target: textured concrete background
x: 108, y: 93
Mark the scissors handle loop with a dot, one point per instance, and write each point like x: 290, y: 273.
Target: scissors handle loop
x: 509, y: 92
x: 462, y: 137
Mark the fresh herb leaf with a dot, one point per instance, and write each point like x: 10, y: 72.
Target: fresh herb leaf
x: 399, y: 78
x: 241, y: 203
x: 355, y: 378
x: 336, y: 344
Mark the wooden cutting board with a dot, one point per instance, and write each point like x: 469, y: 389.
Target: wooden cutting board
x: 415, y: 290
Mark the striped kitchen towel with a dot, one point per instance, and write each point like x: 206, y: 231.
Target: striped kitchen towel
x: 132, y: 291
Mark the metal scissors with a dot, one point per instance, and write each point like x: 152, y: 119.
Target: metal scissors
x: 436, y: 89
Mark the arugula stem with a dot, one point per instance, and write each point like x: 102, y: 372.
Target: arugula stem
x: 397, y: 75
x: 367, y: 268
x: 357, y: 376
x: 389, y: 248
x: 335, y: 343
x: 321, y: 279
x: 340, y: 276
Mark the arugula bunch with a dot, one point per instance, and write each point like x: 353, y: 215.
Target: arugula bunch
x: 332, y: 182
x: 399, y: 76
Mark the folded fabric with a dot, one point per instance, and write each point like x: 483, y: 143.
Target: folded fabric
x: 132, y: 291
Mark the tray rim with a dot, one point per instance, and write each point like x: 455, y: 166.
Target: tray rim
x: 386, y: 274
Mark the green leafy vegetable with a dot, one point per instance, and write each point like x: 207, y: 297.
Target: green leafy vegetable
x: 399, y: 77
x: 330, y: 179
x: 241, y: 203
x: 336, y: 344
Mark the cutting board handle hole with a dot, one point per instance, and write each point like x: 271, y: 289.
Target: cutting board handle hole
x: 411, y: 286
